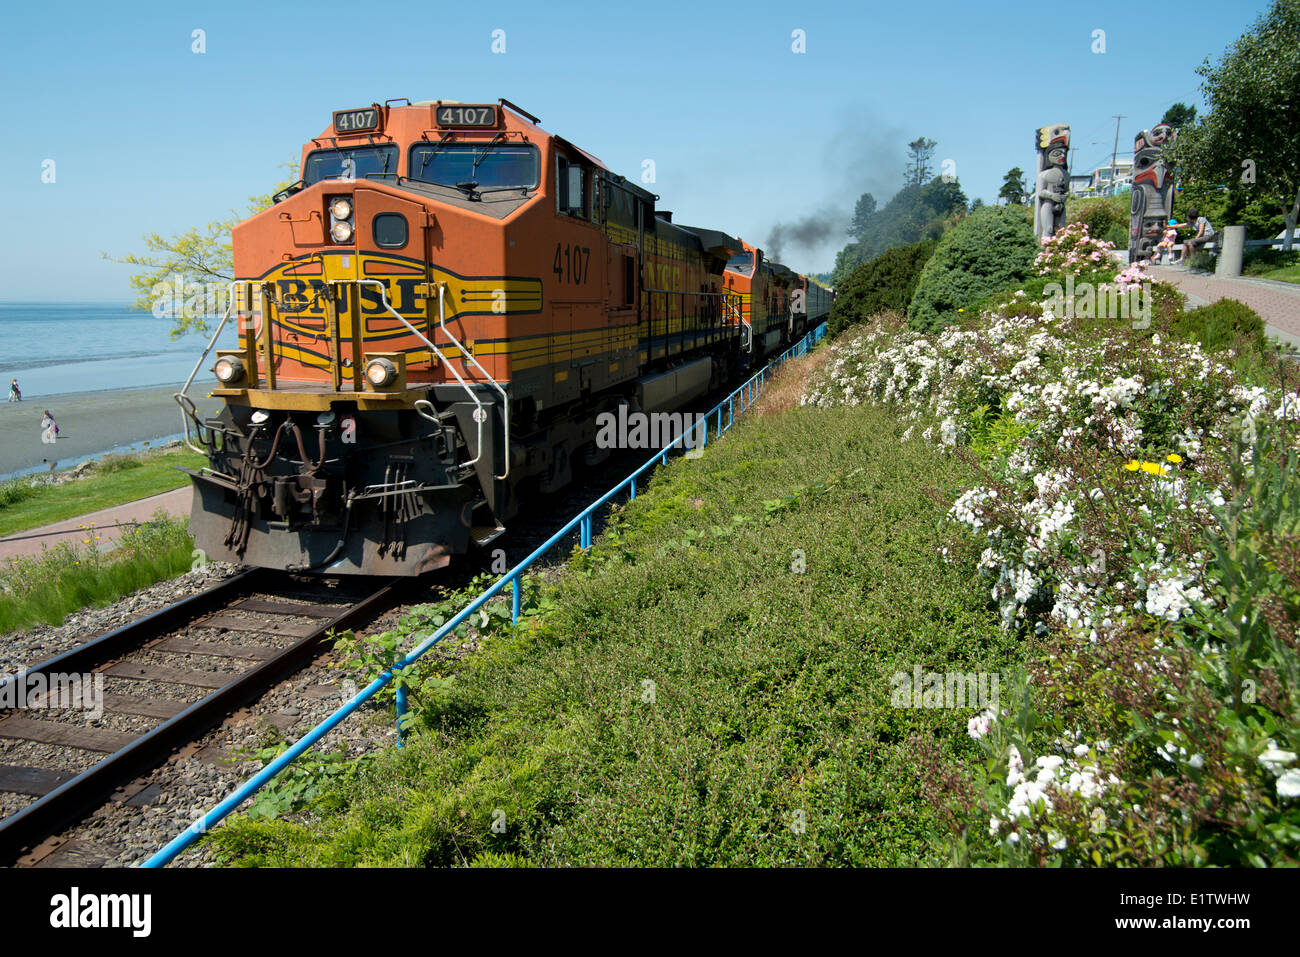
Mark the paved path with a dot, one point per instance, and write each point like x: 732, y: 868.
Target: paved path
x: 108, y: 523
x: 1278, y: 303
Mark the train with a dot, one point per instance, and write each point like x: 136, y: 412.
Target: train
x: 429, y: 324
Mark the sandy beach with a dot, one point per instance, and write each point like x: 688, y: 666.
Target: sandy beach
x: 89, y: 423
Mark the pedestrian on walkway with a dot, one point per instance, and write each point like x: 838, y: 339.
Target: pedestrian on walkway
x: 49, y: 429
x: 15, y: 393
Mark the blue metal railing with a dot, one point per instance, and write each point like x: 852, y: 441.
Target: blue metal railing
x: 746, y: 395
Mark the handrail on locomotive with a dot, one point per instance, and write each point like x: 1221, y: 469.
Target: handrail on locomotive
x: 190, y: 412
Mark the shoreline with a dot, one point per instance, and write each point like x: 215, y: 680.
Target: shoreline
x: 91, y: 424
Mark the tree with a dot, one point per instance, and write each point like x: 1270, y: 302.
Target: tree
x: 1179, y: 115
x: 862, y: 213
x: 977, y: 203
x: 914, y: 213
x: 918, y: 165
x: 197, y: 259
x: 885, y: 283
x: 1013, y: 191
x: 1247, y: 140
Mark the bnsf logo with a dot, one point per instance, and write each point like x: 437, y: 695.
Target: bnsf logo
x: 307, y: 297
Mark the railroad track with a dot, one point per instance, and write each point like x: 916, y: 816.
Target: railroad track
x: 167, y: 678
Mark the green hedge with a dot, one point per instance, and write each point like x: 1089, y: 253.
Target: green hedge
x: 1223, y: 325
x: 1107, y: 217
x: 886, y: 283
x: 987, y: 251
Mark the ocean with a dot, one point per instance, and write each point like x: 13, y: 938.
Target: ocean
x: 53, y: 348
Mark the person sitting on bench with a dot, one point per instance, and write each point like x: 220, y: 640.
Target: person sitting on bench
x: 1165, y: 247
x: 1204, y: 234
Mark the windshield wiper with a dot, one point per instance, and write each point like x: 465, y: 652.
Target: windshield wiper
x: 479, y: 157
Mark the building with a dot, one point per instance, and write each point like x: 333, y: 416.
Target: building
x: 1098, y: 182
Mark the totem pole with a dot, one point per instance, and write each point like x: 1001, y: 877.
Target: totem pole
x: 1153, y: 192
x: 1052, y: 183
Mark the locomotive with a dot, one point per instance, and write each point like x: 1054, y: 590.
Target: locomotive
x: 430, y: 322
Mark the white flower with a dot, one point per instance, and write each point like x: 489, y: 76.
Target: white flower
x: 1050, y: 762
x: 1288, y: 785
x: 980, y: 725
x: 1275, y: 759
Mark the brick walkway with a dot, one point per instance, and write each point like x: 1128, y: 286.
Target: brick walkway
x: 1278, y: 303
x: 31, y: 542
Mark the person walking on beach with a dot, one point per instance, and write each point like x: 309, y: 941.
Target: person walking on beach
x: 49, y: 429
x: 15, y: 393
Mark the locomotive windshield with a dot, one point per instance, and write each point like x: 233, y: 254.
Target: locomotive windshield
x: 488, y: 165
x: 741, y: 263
x: 362, y: 162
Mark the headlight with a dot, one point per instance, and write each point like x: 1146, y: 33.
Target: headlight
x: 340, y: 208
x: 380, y: 372
x: 229, y: 369
x: 341, y: 231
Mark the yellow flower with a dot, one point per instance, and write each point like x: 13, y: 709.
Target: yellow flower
x: 1175, y: 458
x: 1155, y: 468
x: 1132, y: 466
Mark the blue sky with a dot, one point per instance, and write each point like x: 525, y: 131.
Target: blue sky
x: 148, y: 136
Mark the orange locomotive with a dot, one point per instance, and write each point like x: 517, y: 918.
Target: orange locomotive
x: 430, y: 322
x: 777, y: 304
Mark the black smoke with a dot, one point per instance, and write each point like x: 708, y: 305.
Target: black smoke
x: 861, y: 155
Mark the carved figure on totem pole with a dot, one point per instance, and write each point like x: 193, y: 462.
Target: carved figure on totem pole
x: 1153, y: 192
x: 1052, y: 183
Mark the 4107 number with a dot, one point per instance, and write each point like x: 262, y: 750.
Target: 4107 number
x: 572, y: 263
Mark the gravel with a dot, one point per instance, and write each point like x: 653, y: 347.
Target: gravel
x: 22, y: 648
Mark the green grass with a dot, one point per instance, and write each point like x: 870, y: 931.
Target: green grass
x: 1273, y: 264
x: 686, y: 696
x: 1284, y: 274
x: 113, y: 481
x: 68, y: 578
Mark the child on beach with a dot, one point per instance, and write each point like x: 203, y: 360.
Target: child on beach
x: 49, y: 429
x: 15, y: 393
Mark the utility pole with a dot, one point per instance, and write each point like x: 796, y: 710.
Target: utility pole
x: 1114, y: 154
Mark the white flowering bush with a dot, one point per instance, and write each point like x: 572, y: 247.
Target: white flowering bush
x: 1115, y: 470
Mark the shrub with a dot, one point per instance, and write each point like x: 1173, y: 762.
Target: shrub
x: 1202, y: 261
x: 1105, y: 216
x: 1222, y: 325
x: 883, y: 284
x: 1137, y: 513
x: 1266, y: 260
x: 1117, y: 236
x: 20, y: 489
x: 987, y: 251
x: 1072, y: 252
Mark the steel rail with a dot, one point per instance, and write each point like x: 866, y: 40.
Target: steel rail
x: 72, y: 799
